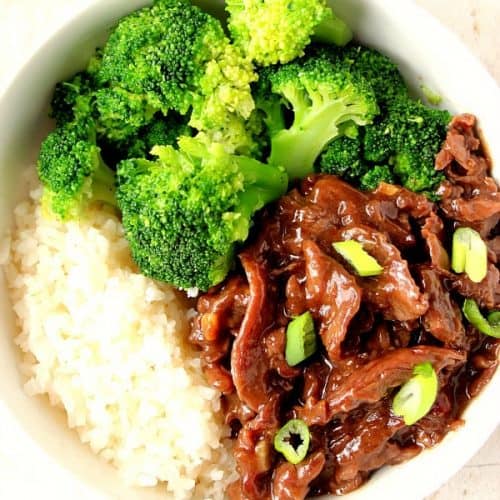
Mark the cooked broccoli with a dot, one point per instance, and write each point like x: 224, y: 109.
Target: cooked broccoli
x: 234, y: 133
x: 165, y: 131
x: 375, y: 175
x: 382, y: 73
x: 161, y: 131
x: 184, y: 213
x: 405, y: 137
x: 120, y: 114
x: 324, y: 96
x: 72, y: 171
x: 177, y: 57
x: 272, y: 31
x: 386, y: 80
x: 157, y: 52
x: 168, y: 73
x: 344, y: 157
x: 400, y: 146
x: 378, y: 143
x: 409, y: 136
x: 72, y: 98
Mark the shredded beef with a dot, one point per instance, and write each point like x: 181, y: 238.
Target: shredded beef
x: 394, y: 292
x: 470, y: 197
x: 372, y: 331
x: 433, y: 234
x: 249, y: 363
x: 293, y: 481
x: 332, y: 296
x: 443, y: 319
x: 369, y: 383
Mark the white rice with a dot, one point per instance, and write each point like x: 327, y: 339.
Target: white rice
x: 109, y: 346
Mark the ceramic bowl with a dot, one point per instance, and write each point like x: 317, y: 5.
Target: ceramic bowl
x: 35, y: 438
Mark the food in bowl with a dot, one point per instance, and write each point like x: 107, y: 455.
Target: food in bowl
x: 186, y: 204
x: 385, y: 329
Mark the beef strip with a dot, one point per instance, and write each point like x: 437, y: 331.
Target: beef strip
x: 433, y: 234
x: 361, y: 444
x: 443, y: 319
x: 220, y: 314
x: 293, y: 481
x: 394, y: 292
x: 486, y: 293
x: 275, y: 342
x: 332, y: 296
x: 476, y: 202
x: 249, y: 363
x: 494, y: 248
x: 254, y: 453
x: 371, y: 382
x: 481, y: 212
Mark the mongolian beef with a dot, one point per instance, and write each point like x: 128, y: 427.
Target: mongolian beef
x: 343, y: 234
x: 373, y: 331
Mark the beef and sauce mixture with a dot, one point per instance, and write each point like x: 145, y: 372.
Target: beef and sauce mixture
x: 372, y: 331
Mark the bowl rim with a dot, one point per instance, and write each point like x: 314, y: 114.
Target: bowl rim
x: 458, y: 459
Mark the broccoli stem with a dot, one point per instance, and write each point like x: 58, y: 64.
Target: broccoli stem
x: 298, y: 147
x: 333, y: 30
x: 263, y: 184
x: 251, y: 200
x: 271, y: 181
x: 103, y: 184
x: 274, y: 119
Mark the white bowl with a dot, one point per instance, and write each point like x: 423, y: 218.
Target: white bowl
x: 35, y: 435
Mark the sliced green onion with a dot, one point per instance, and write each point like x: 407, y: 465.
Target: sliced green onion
x: 490, y: 326
x: 300, y: 339
x: 459, y: 250
x: 292, y: 441
x: 494, y: 318
x: 469, y: 254
x: 416, y: 397
x: 432, y: 97
x: 362, y: 262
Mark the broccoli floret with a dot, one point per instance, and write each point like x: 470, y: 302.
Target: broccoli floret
x: 323, y: 96
x: 409, y: 136
x: 269, y: 106
x: 161, y: 131
x: 158, y: 52
x: 382, y: 73
x: 378, y: 142
x: 375, y: 175
x: 184, y: 213
x: 177, y: 57
x: 72, y: 171
x: 384, y: 77
x: 344, y: 157
x: 120, y: 113
x: 72, y: 98
x: 272, y: 31
x: 234, y: 133
x: 165, y: 131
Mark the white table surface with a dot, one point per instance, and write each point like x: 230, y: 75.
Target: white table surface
x: 25, y: 24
